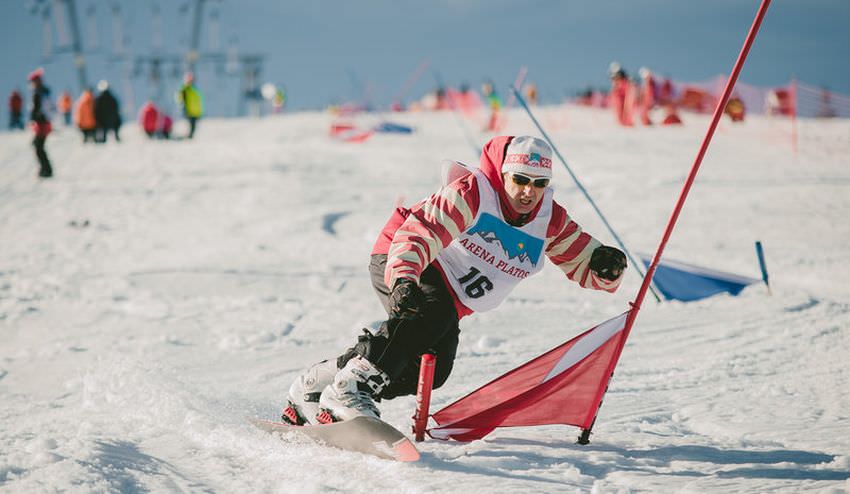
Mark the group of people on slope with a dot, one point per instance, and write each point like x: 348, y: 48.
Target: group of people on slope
x: 157, y: 123
x: 630, y: 99
x: 94, y: 116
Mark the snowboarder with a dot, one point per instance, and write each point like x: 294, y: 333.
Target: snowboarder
x: 459, y: 251
x: 16, y: 108
x: 40, y: 122
x: 106, y: 113
x: 191, y: 101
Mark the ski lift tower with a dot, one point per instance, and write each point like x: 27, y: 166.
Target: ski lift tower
x: 75, y: 44
x: 194, y: 53
x: 252, y: 67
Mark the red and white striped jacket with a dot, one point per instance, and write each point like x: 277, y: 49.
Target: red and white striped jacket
x: 413, y: 237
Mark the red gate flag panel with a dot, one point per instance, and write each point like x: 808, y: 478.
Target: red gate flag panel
x: 562, y: 386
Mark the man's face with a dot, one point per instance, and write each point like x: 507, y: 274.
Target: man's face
x: 524, y: 190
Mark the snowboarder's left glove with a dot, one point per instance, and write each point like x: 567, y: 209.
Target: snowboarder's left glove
x: 406, y: 299
x: 608, y: 262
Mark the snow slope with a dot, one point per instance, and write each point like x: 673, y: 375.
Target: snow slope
x: 153, y: 294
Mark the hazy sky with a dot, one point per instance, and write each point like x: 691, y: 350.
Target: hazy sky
x: 330, y: 50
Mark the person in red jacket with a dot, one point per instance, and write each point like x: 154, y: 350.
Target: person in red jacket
x: 647, y: 95
x: 671, y: 116
x: 619, y: 98
x: 165, y: 123
x: 16, y: 110
x: 149, y: 119
x: 459, y: 251
x: 40, y: 122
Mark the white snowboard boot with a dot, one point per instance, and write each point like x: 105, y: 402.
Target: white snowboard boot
x: 305, y: 391
x: 351, y: 393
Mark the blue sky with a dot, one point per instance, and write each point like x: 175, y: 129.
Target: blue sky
x: 327, y: 51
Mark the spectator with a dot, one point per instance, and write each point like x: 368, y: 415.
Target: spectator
x: 64, y: 106
x: 619, y: 92
x: 531, y: 93
x: 495, y: 103
x: 149, y: 119
x: 192, y: 102
x: 16, y: 110
x: 84, y: 115
x: 165, y: 123
x: 672, y: 117
x: 735, y: 108
x: 647, y: 95
x: 106, y: 113
x: 40, y: 122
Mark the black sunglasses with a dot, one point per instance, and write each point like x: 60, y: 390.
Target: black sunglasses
x: 521, y: 180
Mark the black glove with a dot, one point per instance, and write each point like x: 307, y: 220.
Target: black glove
x: 406, y: 299
x: 608, y: 262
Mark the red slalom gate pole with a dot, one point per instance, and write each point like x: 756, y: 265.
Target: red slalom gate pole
x: 423, y: 395
x: 671, y: 223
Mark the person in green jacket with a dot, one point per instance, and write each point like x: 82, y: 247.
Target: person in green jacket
x: 192, y: 101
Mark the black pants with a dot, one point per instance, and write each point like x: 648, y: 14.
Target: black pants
x: 100, y: 134
x: 45, y: 169
x: 400, y: 344
x: 192, y: 122
x: 16, y: 121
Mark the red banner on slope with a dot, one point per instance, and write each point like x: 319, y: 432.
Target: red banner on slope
x: 558, y: 387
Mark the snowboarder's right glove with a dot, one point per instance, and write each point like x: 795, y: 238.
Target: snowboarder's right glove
x: 406, y: 299
x: 608, y: 262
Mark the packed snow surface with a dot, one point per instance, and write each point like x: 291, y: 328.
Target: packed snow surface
x: 154, y: 294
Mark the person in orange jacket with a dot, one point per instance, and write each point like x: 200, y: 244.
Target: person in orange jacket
x: 84, y: 115
x: 64, y: 106
x: 735, y: 108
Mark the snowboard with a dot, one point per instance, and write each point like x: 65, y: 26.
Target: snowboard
x: 366, y: 435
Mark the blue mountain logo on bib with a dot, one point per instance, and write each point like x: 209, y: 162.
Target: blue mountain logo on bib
x: 516, y: 243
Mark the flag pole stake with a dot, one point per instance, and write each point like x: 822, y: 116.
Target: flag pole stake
x: 423, y: 395
x: 763, y: 266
